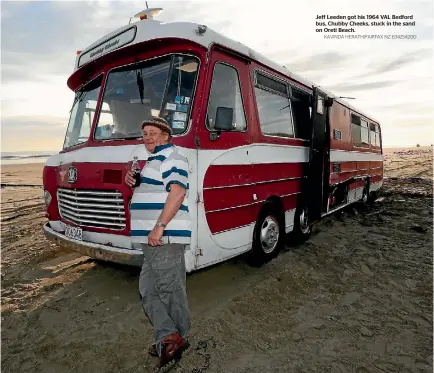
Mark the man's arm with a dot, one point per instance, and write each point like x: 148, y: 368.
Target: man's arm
x: 173, y: 203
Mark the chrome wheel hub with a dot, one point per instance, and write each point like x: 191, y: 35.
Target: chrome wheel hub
x: 269, y: 235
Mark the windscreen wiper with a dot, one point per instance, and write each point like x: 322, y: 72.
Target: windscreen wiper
x: 140, y: 85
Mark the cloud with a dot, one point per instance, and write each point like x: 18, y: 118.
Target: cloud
x: 319, y: 61
x: 354, y: 87
x: 391, y: 79
x: 402, y: 60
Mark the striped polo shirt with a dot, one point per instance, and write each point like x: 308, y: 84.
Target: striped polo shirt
x: 165, y: 166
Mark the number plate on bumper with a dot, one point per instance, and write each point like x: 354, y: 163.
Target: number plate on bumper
x: 74, y: 232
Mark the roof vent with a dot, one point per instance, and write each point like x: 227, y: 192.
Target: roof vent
x: 148, y: 13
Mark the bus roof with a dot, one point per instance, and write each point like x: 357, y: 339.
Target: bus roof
x: 149, y: 29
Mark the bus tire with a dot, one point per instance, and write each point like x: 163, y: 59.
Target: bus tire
x: 365, y: 194
x: 372, y: 197
x: 302, y: 226
x: 268, y: 234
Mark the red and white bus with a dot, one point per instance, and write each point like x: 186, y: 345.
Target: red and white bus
x: 269, y: 152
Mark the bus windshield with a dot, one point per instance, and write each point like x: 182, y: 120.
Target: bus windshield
x: 82, y: 113
x: 159, y: 87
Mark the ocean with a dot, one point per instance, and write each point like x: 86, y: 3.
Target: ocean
x: 25, y: 157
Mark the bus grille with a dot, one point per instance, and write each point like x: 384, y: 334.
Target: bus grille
x: 92, y: 208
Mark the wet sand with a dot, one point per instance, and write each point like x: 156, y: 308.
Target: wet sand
x: 356, y: 297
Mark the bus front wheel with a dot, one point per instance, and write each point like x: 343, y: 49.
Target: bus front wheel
x: 268, y: 234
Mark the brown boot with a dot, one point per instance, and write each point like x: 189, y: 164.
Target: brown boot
x: 153, y: 350
x: 172, y: 348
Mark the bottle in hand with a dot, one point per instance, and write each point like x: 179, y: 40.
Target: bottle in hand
x: 135, y: 168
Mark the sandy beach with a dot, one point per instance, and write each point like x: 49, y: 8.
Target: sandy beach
x: 356, y: 297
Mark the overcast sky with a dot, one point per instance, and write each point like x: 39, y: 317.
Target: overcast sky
x: 392, y: 80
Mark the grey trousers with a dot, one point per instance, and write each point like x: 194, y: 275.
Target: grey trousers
x: 163, y: 292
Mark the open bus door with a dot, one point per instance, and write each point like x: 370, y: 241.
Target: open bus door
x: 318, y: 173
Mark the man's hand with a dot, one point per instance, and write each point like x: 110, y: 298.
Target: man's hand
x: 129, y: 178
x: 154, y: 238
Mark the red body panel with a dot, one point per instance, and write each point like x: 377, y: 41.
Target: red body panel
x: 340, y: 119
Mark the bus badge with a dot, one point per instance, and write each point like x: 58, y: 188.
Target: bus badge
x: 72, y: 175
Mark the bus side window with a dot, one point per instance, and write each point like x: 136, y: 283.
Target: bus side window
x: 226, y: 92
x: 372, y: 134
x: 356, y: 130
x: 274, y: 106
x: 377, y: 136
x: 364, y: 132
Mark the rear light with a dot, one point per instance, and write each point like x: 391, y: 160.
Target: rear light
x: 47, y: 198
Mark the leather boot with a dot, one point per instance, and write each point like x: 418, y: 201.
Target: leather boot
x: 172, y: 348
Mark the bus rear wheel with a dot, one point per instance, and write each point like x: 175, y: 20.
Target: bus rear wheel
x: 268, y: 235
x: 302, y: 225
x: 366, y: 195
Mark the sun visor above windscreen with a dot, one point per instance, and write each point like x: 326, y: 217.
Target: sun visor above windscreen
x: 119, y: 40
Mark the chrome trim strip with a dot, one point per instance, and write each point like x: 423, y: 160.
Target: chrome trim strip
x: 250, y: 184
x: 248, y: 204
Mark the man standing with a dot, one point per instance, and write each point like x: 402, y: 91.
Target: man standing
x: 161, y: 227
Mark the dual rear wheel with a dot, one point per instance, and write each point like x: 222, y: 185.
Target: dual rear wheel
x: 269, y: 232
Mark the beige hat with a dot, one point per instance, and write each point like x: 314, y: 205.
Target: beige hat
x: 160, y: 123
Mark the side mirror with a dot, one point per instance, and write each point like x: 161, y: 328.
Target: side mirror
x: 328, y: 102
x: 224, y: 118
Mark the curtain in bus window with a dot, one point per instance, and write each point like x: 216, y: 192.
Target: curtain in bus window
x: 274, y: 114
x: 226, y: 92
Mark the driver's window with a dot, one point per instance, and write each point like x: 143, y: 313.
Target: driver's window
x: 226, y: 93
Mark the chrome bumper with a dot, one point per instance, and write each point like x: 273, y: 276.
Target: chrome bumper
x: 95, y: 250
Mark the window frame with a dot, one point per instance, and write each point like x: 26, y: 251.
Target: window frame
x: 242, y: 99
x: 287, y: 96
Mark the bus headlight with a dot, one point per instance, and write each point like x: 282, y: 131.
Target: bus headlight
x: 47, y: 197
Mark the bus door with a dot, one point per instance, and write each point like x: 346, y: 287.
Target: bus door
x: 223, y: 161
x: 318, y: 172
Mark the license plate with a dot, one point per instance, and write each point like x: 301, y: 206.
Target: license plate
x: 74, y: 232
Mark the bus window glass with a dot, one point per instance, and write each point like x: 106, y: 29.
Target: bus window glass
x: 157, y: 87
x: 274, y: 113
x: 82, y: 113
x: 377, y: 135
x: 364, y: 132
x: 372, y: 134
x: 226, y: 92
x: 356, y: 133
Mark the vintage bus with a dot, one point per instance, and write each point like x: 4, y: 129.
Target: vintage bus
x: 269, y: 152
